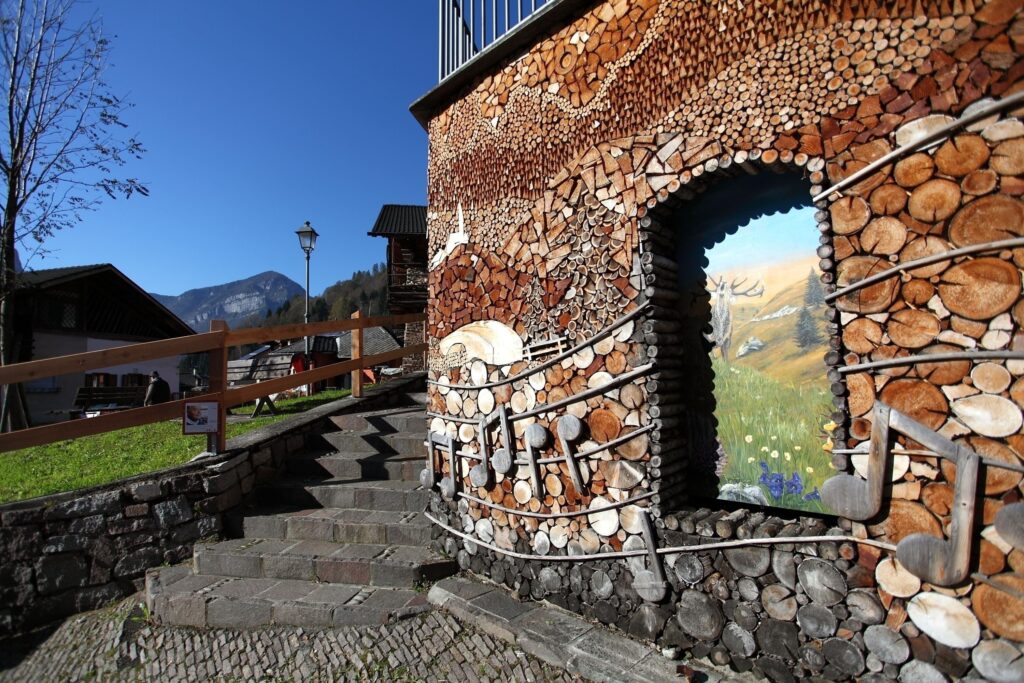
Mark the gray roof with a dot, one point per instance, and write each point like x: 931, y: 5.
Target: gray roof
x: 49, y: 276
x: 400, y: 219
x: 34, y: 280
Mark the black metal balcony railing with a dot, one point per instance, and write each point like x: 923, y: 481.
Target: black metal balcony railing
x: 467, y: 27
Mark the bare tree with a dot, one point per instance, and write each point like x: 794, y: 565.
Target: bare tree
x: 62, y: 139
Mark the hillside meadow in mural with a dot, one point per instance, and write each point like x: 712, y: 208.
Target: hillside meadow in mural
x: 771, y: 391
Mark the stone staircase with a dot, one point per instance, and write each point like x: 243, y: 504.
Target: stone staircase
x: 340, y: 540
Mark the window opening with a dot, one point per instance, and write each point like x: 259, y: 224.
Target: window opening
x: 758, y: 308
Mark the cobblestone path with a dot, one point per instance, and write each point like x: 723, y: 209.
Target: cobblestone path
x: 118, y: 644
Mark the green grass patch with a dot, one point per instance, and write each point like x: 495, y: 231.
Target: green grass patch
x: 103, y: 458
x: 765, y: 424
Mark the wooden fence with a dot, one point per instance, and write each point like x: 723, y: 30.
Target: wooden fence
x: 216, y: 342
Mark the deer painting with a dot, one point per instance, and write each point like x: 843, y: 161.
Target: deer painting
x: 724, y: 294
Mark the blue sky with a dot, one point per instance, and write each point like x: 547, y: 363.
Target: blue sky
x: 258, y: 116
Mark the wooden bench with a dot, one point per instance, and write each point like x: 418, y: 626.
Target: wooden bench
x: 108, y: 399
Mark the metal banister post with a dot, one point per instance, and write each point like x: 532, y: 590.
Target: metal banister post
x: 357, y: 353
x: 217, y: 443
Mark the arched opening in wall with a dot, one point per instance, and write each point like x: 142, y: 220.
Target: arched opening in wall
x: 754, y: 340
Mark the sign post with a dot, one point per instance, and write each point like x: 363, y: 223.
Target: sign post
x: 203, y: 417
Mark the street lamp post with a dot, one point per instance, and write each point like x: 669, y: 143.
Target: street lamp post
x: 307, y: 240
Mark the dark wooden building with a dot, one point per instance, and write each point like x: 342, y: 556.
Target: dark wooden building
x: 405, y: 227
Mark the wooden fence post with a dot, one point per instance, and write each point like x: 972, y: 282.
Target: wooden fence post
x: 357, y: 353
x: 217, y: 443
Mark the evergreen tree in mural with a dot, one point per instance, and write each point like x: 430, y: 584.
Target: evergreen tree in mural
x: 807, y: 335
x: 814, y: 294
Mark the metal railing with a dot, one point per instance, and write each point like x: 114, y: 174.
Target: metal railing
x: 216, y: 342
x: 467, y: 27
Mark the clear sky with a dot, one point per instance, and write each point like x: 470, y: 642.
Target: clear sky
x: 258, y: 116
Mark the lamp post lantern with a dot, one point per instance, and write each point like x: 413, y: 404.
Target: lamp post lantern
x: 307, y: 240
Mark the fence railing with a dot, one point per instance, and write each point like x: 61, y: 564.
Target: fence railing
x: 467, y: 27
x: 216, y: 342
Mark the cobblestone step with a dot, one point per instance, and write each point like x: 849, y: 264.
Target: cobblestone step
x: 408, y: 420
x: 399, y: 443
x: 178, y: 597
x: 338, y: 493
x: 357, y: 465
x: 342, y: 526
x: 326, y: 464
x: 397, y: 566
x: 562, y: 638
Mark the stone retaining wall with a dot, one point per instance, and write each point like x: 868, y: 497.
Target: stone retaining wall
x: 72, y: 552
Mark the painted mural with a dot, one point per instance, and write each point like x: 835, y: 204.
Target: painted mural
x: 771, y: 391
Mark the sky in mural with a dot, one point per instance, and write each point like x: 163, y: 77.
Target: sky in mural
x: 773, y: 238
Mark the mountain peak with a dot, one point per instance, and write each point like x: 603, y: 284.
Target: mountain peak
x: 235, y: 301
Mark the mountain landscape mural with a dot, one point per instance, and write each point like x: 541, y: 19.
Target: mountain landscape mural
x: 771, y: 391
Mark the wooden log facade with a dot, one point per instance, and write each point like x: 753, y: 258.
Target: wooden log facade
x: 554, y: 274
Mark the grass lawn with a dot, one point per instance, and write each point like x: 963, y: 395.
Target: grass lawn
x: 99, y: 459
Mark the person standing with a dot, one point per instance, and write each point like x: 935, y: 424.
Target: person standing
x: 159, y: 391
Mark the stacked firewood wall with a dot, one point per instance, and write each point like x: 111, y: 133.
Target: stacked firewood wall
x: 552, y: 183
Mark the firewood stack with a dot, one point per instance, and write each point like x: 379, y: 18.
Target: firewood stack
x: 553, y: 183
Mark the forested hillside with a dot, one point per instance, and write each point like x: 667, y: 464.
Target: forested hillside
x: 366, y: 290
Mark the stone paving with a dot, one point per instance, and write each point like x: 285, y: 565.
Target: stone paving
x: 119, y: 644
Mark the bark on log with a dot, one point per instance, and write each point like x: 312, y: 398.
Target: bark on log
x: 1001, y: 612
x: 919, y: 400
x: 987, y: 219
x: 862, y: 335
x: 849, y: 215
x: 883, y: 236
x: 935, y: 200
x: 943, y: 372
x: 961, y: 155
x: 874, y: 298
x: 912, y: 328
x: 980, y: 289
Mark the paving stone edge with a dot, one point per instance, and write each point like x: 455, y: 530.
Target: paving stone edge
x: 561, y: 638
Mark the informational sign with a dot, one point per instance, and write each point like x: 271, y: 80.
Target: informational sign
x: 200, y: 417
